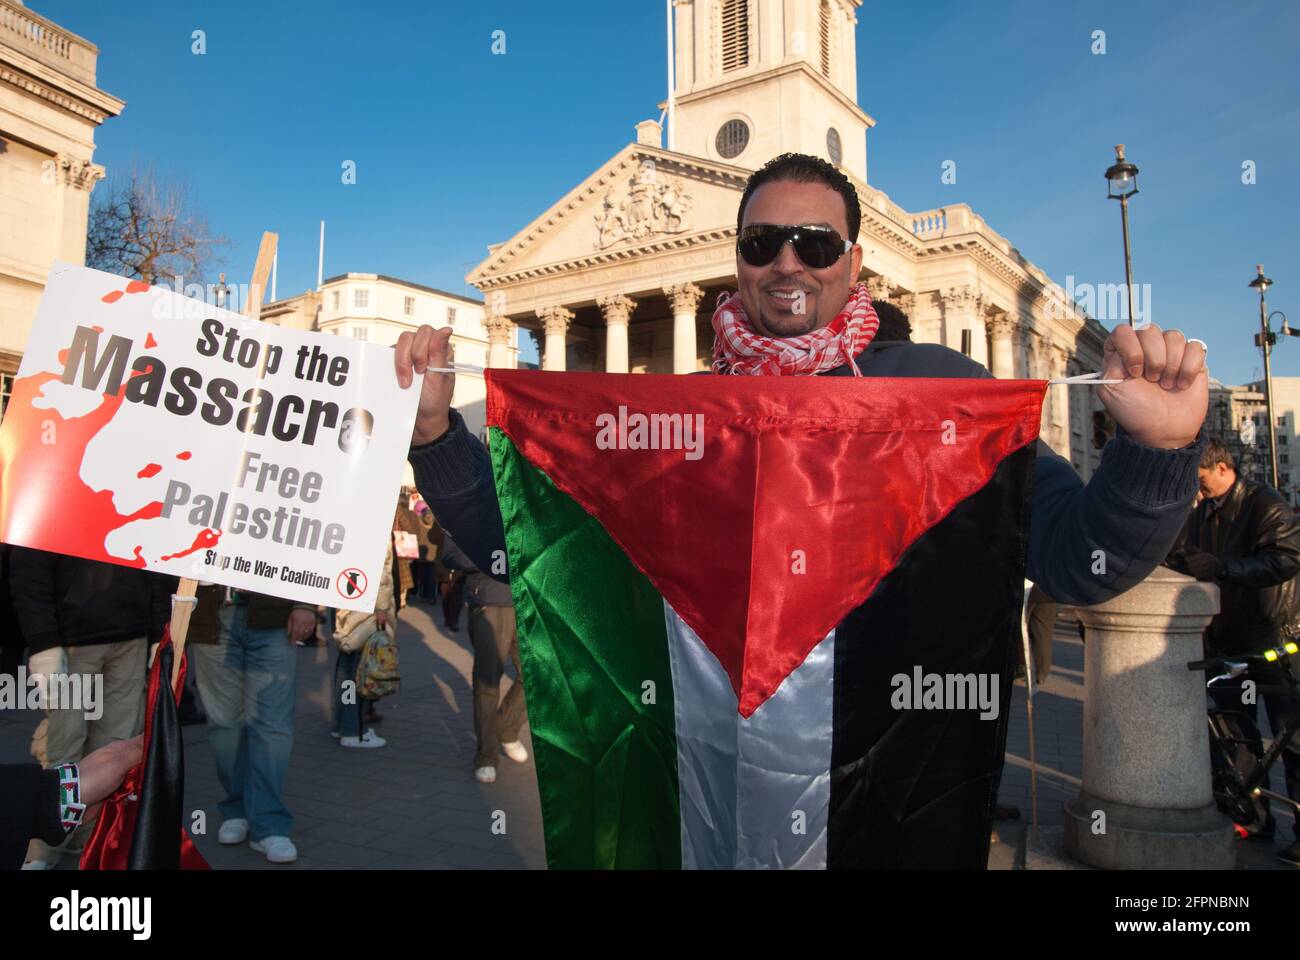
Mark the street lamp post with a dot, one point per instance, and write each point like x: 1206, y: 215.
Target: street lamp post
x: 1121, y: 183
x: 221, y: 290
x: 1265, y: 340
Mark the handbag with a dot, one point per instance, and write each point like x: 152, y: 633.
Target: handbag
x: 378, y: 673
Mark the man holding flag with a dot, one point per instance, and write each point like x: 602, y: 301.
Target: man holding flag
x: 800, y: 311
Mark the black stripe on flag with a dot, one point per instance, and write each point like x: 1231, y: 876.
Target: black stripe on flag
x: 916, y: 788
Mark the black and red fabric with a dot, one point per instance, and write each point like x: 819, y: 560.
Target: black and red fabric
x: 141, y: 826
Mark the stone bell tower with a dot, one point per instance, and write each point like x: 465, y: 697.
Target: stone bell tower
x: 755, y: 78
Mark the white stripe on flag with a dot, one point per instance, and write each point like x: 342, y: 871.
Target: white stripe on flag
x: 753, y: 793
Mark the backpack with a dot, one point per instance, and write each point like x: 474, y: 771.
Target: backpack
x: 378, y: 675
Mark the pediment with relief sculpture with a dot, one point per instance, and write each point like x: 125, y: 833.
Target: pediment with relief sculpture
x: 642, y: 198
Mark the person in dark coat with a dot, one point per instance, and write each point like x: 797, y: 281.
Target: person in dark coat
x: 1244, y: 538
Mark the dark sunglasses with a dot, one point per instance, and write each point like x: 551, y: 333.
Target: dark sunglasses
x: 817, y: 247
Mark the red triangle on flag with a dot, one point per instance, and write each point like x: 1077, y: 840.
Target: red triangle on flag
x: 764, y: 509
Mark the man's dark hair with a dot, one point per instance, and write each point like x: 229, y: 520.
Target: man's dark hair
x: 1216, y: 451
x: 802, y: 168
x: 894, y: 324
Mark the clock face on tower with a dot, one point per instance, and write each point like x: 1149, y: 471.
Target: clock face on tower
x: 733, y: 137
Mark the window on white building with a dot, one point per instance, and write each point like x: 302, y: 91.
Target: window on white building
x: 1281, y: 421
x: 335, y: 301
x: 361, y: 299
x: 408, y: 306
x: 451, y: 315
x: 360, y: 333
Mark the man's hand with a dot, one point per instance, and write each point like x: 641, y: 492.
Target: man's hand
x: 413, y: 355
x: 382, y: 619
x: 1165, y: 393
x: 1201, y: 565
x: 102, y: 771
x: 301, y: 625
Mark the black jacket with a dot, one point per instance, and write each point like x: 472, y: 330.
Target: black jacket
x: 68, y: 602
x: 1257, y: 540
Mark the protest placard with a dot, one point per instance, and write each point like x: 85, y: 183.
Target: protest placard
x: 156, y: 431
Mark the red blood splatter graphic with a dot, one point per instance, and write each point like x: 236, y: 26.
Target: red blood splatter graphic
x: 184, y: 455
x: 112, y: 296
x: 206, y: 538
x: 150, y: 342
x: 32, y: 473
x: 138, y: 551
x: 97, y: 328
x: 137, y: 286
x: 63, y: 356
x: 149, y: 471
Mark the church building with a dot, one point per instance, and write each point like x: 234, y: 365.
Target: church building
x: 621, y: 274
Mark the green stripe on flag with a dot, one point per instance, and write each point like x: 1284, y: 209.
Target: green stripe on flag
x: 593, y: 646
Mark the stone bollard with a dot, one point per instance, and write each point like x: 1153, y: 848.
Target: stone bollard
x: 1145, y: 802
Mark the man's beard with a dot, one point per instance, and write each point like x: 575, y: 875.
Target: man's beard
x: 784, y: 324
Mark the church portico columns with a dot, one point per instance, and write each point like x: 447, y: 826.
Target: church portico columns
x: 961, y: 311
x: 501, y: 334
x: 555, y: 322
x: 685, y: 300
x: 616, y: 310
x: 1002, y: 329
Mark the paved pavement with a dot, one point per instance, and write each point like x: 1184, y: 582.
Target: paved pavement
x: 415, y: 803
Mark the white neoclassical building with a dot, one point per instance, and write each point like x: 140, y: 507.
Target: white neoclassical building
x: 621, y: 273
x: 376, y: 308
x: 49, y: 110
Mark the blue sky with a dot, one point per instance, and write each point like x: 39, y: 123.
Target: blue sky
x: 456, y: 148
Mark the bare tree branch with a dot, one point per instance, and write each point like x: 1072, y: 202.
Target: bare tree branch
x: 144, y: 228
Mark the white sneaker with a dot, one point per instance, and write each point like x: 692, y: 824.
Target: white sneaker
x: 515, y: 751
x: 486, y: 774
x: 371, y: 739
x: 37, y: 865
x: 233, y: 831
x: 277, y: 849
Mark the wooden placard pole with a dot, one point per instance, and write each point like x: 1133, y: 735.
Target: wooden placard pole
x: 188, y: 587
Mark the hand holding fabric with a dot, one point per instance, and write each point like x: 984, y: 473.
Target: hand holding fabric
x: 1165, y: 394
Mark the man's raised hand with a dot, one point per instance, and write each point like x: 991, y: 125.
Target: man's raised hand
x: 1165, y: 393
x: 414, y: 354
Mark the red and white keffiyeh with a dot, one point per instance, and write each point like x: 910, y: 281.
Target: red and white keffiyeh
x: 738, y: 348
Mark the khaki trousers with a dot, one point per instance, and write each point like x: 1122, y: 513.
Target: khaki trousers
x: 66, y: 735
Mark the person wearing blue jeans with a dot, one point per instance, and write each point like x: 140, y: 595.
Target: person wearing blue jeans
x: 247, y: 682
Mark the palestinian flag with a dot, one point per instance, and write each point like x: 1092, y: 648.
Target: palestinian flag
x: 746, y: 605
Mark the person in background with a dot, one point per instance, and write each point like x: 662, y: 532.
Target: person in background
x: 1244, y: 537
x: 242, y: 647
x: 352, y: 627
x: 85, y: 617
x: 12, y: 645
x: 405, y: 521
x: 497, y: 721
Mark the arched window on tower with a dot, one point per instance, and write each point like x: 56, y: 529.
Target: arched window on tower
x: 824, y: 37
x: 735, y: 34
